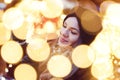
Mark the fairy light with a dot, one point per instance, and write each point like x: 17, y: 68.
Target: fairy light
x: 6, y: 70
x: 10, y: 65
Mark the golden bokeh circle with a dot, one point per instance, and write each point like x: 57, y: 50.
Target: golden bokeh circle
x: 12, y: 52
x: 59, y: 66
x: 25, y: 72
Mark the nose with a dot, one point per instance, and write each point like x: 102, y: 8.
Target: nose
x: 65, y: 33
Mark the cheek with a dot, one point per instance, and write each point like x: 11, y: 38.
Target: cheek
x: 62, y: 30
x: 73, y: 38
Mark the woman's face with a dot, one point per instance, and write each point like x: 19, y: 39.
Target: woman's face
x: 69, y: 33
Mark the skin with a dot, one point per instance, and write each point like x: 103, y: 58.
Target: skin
x: 69, y: 33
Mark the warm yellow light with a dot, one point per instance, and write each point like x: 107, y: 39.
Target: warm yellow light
x: 21, y: 32
x: 101, y: 44
x: 83, y: 56
x: 11, y: 52
x: 38, y: 49
x: 56, y: 79
x: 102, y: 69
x: 25, y: 72
x: 52, y: 8
x: 112, y: 16
x: 1, y: 15
x: 60, y: 21
x: 8, y: 1
x: 115, y: 41
x: 49, y: 27
x: 104, y: 6
x: 59, y: 66
x: 30, y: 6
x: 5, y: 34
x: 13, y: 18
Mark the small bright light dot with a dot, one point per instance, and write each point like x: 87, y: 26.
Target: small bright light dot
x: 6, y: 70
x: 10, y: 65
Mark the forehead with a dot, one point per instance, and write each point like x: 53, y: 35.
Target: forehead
x: 71, y: 22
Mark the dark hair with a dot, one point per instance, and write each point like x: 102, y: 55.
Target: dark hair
x: 85, y: 37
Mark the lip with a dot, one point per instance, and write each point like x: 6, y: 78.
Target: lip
x: 63, y: 40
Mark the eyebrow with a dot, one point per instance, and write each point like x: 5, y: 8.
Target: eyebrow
x: 71, y: 27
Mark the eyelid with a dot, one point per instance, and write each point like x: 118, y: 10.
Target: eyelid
x: 74, y: 32
x: 75, y: 29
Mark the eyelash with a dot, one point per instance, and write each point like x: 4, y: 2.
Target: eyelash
x: 71, y: 31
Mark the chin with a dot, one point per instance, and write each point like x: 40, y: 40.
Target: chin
x: 61, y: 44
